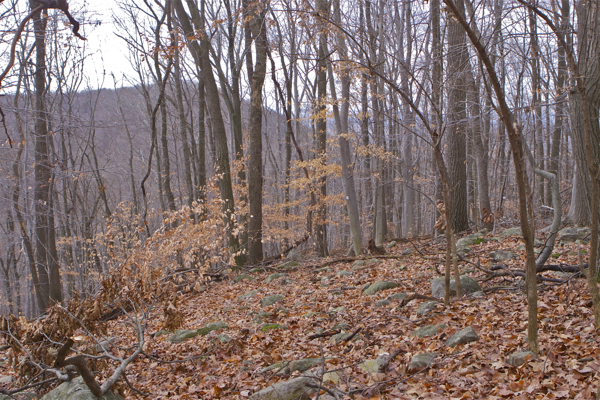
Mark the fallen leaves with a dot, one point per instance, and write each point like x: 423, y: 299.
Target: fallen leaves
x: 312, y: 315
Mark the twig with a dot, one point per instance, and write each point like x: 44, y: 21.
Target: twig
x: 349, y: 338
x: 11, y: 392
x: 177, y: 361
x: 324, y: 334
x: 133, y: 387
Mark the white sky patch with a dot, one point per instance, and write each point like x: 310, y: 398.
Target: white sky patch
x: 107, y: 53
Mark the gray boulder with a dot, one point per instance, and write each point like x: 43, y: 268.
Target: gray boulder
x: 184, y: 334
x: 517, y: 359
x: 378, y: 286
x: 242, y: 277
x: 427, y: 307
x: 249, y: 294
x: 511, y: 232
x: 570, y: 235
x: 469, y: 240
x: 270, y: 326
x: 420, y: 361
x: 288, y: 265
x: 397, y: 297
x: 77, y: 390
x: 500, y: 255
x: 466, y: 335
x: 382, y: 303
x: 468, y: 284
x: 274, y: 276
x: 270, y: 300
x: 429, y: 330
x: 294, y: 389
x: 304, y: 364
x: 213, y: 326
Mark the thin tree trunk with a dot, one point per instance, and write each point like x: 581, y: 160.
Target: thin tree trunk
x: 257, y: 30
x: 200, y: 49
x: 321, y: 130
x: 42, y: 170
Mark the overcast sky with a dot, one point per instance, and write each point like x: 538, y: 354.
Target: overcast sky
x: 108, y: 52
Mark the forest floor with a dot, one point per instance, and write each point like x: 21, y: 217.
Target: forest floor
x: 322, y: 300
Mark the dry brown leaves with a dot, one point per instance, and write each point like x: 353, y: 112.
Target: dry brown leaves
x: 567, y: 368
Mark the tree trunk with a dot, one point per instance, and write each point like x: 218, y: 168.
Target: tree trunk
x: 321, y: 128
x: 525, y: 206
x: 408, y: 207
x: 43, y: 169
x: 458, y: 67
x: 341, y: 122
x: 200, y: 49
x: 256, y: 28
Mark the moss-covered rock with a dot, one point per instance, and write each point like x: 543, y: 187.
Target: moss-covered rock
x: 288, y: 265
x: 511, y: 232
x: 520, y: 357
x: 426, y: 307
x: 468, y: 284
x: 77, y: 390
x: 420, y: 362
x: 242, y: 277
x: 464, y: 336
x: 274, y: 276
x: 270, y: 326
x: 427, y: 331
x: 249, y: 294
x: 270, y: 300
x: 379, y: 286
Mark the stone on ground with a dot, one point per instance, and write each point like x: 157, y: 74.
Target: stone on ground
x: 379, y: 286
x: 270, y: 326
x: 517, y: 359
x: 184, y: 334
x: 570, y: 235
x: 77, y: 390
x: 468, y: 284
x: 273, y: 277
x: 249, y: 294
x: 466, y: 335
x: 429, y: 330
x: 288, y: 265
x: 511, y: 232
x: 294, y: 389
x: 420, y: 361
x: 304, y: 364
x: 270, y: 300
x: 242, y: 277
x: 397, y: 297
x: 427, y: 307
x: 501, y: 255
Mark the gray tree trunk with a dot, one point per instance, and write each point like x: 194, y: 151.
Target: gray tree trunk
x: 456, y: 125
x: 341, y: 123
x: 200, y: 49
x: 321, y: 130
x: 257, y: 30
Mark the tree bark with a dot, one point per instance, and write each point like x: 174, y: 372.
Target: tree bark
x: 199, y: 46
x: 456, y: 126
x: 321, y: 128
x: 525, y: 206
x: 341, y: 123
x: 257, y: 30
